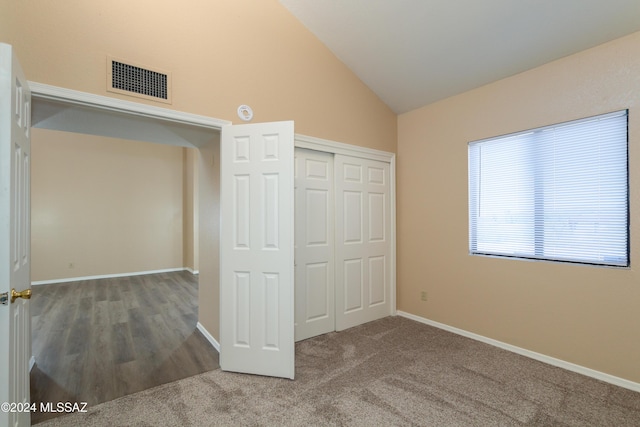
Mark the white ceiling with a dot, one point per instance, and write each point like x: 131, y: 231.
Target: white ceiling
x: 414, y: 52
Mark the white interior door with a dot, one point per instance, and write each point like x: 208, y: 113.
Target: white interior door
x: 314, y: 237
x: 363, y: 241
x: 15, y: 321
x: 256, y: 249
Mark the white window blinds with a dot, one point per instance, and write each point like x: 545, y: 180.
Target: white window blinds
x: 554, y: 193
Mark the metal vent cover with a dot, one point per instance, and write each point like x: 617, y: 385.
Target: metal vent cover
x: 137, y: 80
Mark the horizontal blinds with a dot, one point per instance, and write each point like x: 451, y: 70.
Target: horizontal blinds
x: 555, y: 193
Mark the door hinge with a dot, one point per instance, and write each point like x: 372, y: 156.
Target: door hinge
x: 4, y: 298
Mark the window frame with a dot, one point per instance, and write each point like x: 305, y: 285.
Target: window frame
x: 474, y: 201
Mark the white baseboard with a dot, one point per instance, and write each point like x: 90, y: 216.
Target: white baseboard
x: 32, y: 362
x: 192, y: 271
x: 611, y: 379
x: 208, y: 336
x: 108, y: 276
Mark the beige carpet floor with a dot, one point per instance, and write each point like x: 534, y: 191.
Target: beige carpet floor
x: 392, y: 372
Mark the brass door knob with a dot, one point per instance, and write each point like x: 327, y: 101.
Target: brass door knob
x: 26, y: 294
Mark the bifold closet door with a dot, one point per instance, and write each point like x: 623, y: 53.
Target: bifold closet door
x: 363, y: 245
x: 256, y: 249
x: 314, y: 241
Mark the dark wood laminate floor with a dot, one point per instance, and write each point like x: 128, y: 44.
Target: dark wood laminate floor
x: 97, y: 340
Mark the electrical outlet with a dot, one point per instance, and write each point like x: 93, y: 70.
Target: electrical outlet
x: 423, y: 295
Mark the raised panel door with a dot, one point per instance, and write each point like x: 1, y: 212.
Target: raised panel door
x: 256, y: 249
x: 314, y: 224
x: 363, y: 246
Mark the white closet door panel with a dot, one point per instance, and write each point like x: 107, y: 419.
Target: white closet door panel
x: 353, y: 216
x: 314, y: 224
x: 363, y: 245
x: 317, y: 276
x: 377, y: 283
x: 353, y: 285
x: 256, y: 256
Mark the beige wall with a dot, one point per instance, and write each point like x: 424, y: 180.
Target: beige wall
x: 208, y: 166
x: 585, y: 315
x: 190, y: 209
x: 6, y: 20
x: 104, y: 206
x: 221, y: 53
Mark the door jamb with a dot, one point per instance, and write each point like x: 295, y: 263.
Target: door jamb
x: 83, y: 99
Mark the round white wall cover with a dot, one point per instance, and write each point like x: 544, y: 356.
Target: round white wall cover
x: 245, y: 113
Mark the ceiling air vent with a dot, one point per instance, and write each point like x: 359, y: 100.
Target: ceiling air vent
x: 135, y: 80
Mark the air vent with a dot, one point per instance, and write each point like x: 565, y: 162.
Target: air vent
x: 135, y: 80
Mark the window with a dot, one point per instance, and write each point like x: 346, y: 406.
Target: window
x: 556, y: 193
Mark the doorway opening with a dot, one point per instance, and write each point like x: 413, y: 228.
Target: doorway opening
x: 168, y: 147
x: 105, y: 211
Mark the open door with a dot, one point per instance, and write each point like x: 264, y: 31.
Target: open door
x: 257, y: 249
x: 15, y: 237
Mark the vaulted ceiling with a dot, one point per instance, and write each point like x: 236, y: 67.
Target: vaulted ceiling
x: 414, y: 52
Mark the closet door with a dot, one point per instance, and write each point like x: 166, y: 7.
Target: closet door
x: 363, y: 244
x: 314, y: 242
